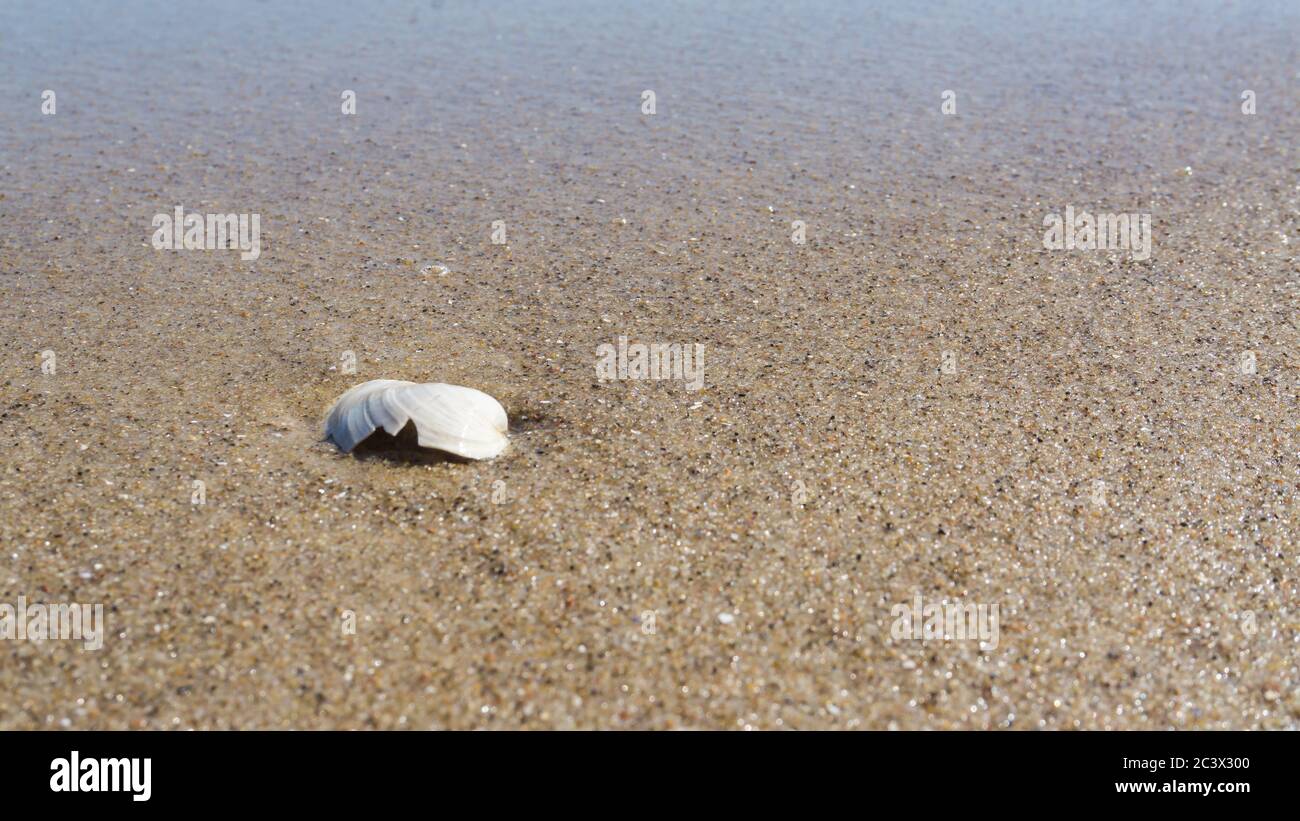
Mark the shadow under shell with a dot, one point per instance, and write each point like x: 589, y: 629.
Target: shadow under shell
x: 404, y: 448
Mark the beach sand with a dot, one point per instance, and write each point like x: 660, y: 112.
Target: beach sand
x: 1091, y: 458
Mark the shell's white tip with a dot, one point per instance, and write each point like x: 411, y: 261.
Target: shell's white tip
x: 459, y: 420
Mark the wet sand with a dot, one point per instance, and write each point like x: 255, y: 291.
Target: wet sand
x: 643, y: 555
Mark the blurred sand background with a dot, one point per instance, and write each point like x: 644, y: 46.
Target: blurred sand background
x: 821, y: 363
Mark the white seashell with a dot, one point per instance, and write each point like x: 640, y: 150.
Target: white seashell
x: 458, y: 420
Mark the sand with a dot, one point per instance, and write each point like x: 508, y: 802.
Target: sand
x: 644, y: 555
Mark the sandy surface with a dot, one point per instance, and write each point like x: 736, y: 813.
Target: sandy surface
x: 829, y: 469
